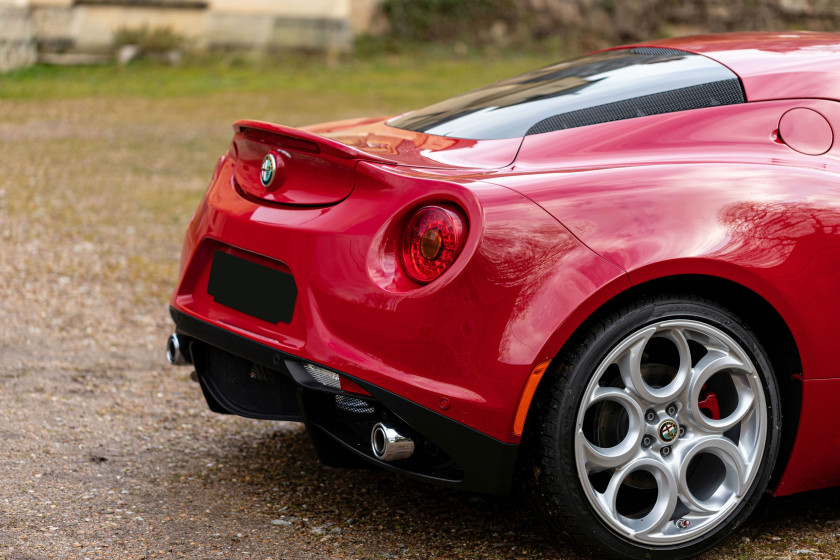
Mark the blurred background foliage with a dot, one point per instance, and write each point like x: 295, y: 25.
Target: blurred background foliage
x: 412, y: 51
x: 581, y: 25
x: 428, y: 21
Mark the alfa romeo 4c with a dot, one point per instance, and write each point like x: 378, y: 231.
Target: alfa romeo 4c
x: 615, y: 279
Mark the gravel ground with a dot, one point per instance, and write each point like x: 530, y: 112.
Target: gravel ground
x: 107, y: 452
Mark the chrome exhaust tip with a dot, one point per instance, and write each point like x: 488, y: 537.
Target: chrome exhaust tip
x: 173, y: 351
x: 390, y: 445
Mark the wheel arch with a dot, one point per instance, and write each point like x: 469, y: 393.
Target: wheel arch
x: 763, y: 319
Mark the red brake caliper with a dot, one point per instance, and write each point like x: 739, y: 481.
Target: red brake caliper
x: 708, y: 401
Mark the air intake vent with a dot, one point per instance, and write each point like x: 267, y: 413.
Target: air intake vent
x: 724, y: 92
x: 656, y: 51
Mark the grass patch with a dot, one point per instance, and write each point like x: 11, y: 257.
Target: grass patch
x: 411, y: 77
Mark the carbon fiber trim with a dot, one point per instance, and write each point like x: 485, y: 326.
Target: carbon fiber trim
x: 724, y: 92
x: 656, y: 51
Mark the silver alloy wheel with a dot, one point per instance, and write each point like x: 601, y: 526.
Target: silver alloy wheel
x: 646, y: 483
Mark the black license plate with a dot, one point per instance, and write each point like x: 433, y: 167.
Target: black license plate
x: 253, y: 289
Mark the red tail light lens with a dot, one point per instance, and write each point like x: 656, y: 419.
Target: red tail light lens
x: 432, y: 241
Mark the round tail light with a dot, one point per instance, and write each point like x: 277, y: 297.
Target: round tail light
x: 432, y: 241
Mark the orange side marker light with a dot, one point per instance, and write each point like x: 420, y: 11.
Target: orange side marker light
x: 527, y: 396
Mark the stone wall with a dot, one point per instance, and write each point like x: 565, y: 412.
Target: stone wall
x: 17, y: 46
x: 89, y: 26
x: 598, y: 23
x: 64, y: 31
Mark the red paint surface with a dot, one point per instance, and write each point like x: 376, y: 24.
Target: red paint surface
x: 806, y: 131
x: 472, y: 336
x: 301, y: 177
x: 709, y: 192
x: 405, y: 147
x: 816, y: 453
x: 552, y: 236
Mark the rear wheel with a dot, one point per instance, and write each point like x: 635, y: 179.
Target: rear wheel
x: 658, y: 434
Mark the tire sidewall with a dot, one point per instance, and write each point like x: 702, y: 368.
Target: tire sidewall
x: 578, y: 376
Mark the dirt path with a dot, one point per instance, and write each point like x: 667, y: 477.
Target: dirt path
x: 107, y: 452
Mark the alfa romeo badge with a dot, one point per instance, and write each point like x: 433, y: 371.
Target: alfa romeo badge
x: 267, y: 170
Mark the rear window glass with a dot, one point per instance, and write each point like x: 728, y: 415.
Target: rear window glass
x: 596, y: 88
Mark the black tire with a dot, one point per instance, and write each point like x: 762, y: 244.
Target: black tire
x: 585, y: 500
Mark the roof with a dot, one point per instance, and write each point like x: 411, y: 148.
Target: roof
x: 772, y: 65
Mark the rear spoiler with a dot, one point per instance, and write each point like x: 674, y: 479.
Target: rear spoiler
x: 301, y: 140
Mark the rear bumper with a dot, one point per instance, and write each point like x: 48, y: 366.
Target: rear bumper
x: 244, y: 377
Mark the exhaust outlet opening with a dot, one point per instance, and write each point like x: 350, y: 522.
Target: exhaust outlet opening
x: 379, y: 443
x: 174, y: 355
x: 388, y: 444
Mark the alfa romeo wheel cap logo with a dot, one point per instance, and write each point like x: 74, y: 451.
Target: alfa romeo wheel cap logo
x: 668, y: 431
x: 267, y: 170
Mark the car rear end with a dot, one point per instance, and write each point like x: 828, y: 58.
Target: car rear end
x: 375, y: 281
x: 367, y: 298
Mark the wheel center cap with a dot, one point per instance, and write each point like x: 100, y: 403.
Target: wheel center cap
x: 668, y: 431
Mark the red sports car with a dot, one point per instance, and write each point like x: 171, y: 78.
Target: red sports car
x: 617, y: 277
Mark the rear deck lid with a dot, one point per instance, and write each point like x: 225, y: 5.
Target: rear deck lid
x: 289, y: 166
x: 376, y: 137
x: 316, y: 166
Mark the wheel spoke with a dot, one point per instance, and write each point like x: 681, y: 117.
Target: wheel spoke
x: 602, y: 458
x: 630, y: 365
x: 704, y: 491
x: 615, y: 394
x: 681, y: 342
x: 615, y: 456
x: 713, y: 363
x: 663, y: 511
x: 683, y: 375
x: 666, y: 497
x: 746, y: 400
